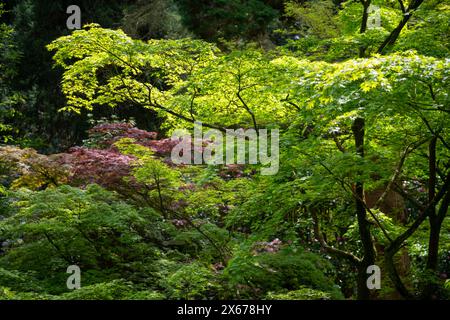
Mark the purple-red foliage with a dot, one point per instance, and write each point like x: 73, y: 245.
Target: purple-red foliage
x: 232, y: 171
x: 162, y: 147
x: 107, y: 168
x: 271, y: 247
x: 105, y: 135
x: 100, y: 162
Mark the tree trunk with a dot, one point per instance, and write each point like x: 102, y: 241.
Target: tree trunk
x: 393, y: 36
x: 363, y: 224
x: 435, y: 225
x: 435, y: 221
x: 433, y: 244
x: 363, y: 27
x: 363, y: 292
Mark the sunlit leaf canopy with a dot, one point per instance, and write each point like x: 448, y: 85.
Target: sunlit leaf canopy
x: 359, y: 93
x: 191, y: 80
x: 403, y: 97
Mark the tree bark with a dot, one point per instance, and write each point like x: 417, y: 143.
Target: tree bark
x: 393, y: 36
x: 435, y: 225
x: 363, y: 224
x: 363, y: 27
x: 433, y: 244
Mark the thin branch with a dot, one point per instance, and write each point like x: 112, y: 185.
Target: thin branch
x: 397, y: 172
x: 191, y: 109
x: 395, y: 245
x: 244, y: 104
x: 347, y: 255
x: 290, y: 103
x: 348, y: 188
x: 408, y: 197
x: 339, y: 144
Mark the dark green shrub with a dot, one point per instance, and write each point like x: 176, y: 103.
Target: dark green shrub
x: 254, y: 275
